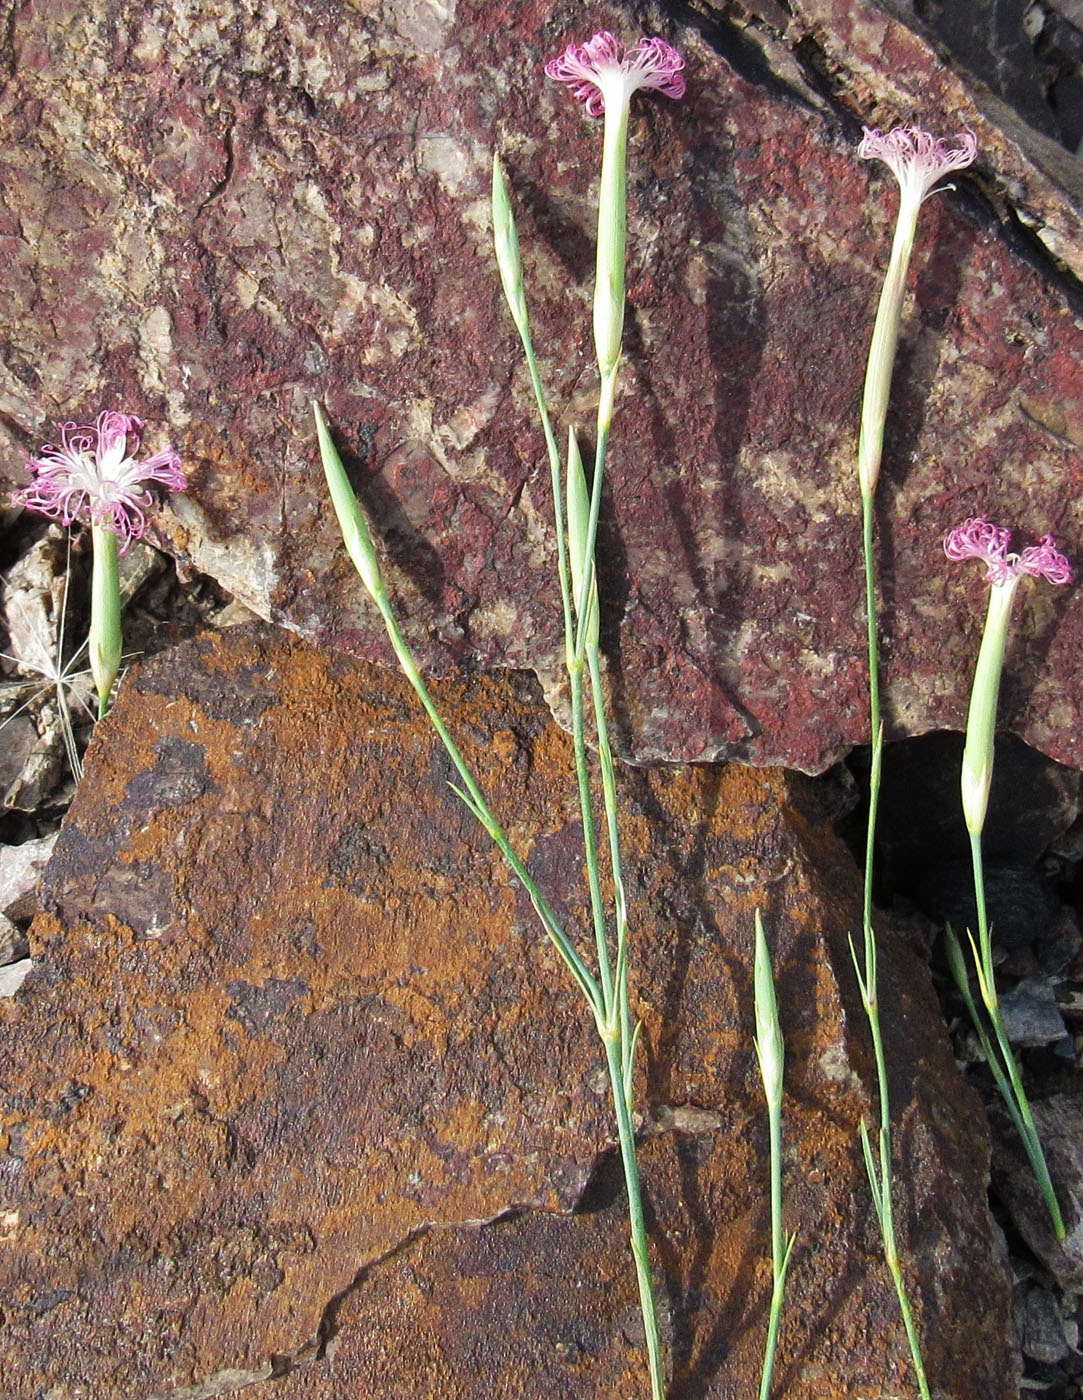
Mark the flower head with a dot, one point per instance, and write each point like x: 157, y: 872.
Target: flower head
x: 918, y: 160
x: 978, y: 539
x: 598, y: 71
x: 93, y: 475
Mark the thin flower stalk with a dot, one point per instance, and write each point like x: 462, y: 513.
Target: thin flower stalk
x: 979, y: 539
x: 570, y: 557
x: 604, y: 77
x: 105, y: 643
x: 510, y: 267
x: 94, y: 475
x: 569, y: 570
x: 770, y: 1052
x: 919, y: 162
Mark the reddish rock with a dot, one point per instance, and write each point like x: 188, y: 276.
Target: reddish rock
x: 297, y: 1089
x: 247, y: 209
x: 881, y: 63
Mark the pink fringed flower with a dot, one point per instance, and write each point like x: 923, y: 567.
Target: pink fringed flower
x: 917, y: 159
x: 978, y: 539
x: 600, y: 70
x: 93, y: 475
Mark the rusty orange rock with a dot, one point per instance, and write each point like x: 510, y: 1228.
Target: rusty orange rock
x: 298, y: 1091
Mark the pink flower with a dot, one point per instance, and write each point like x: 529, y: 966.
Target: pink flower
x: 598, y: 71
x: 93, y: 475
x: 978, y: 539
x: 917, y: 160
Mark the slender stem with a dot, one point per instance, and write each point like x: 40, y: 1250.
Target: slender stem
x: 774, y: 1133
x: 992, y: 1059
x: 976, y: 776
x: 590, y: 837
x: 508, y: 260
x: 771, y: 1054
x: 636, y: 1220
x: 511, y: 278
x: 618, y: 1036
x: 777, y: 1293
x: 105, y: 630
x: 876, y: 728
x: 601, y: 995
x: 880, y: 1176
x: 875, y: 720
x: 1022, y: 1116
x: 620, y: 905
x: 985, y: 940
x: 609, y: 269
x: 605, y: 407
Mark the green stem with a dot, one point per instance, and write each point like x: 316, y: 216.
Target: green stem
x: 590, y: 836
x: 771, y: 1054
x: 605, y: 415
x: 985, y: 941
x: 875, y: 720
x: 636, y: 1220
x: 620, y: 905
x: 778, y: 1242
x: 976, y: 776
x: 1022, y: 1116
x: 511, y: 278
x: 775, y: 1317
x: 958, y: 971
x: 105, y: 646
x: 880, y: 1178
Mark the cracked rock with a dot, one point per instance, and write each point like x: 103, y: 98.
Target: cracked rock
x: 263, y: 206
x: 297, y: 1080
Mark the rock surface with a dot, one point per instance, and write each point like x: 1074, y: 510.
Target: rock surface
x: 1059, y: 1120
x: 216, y: 212
x: 297, y: 1090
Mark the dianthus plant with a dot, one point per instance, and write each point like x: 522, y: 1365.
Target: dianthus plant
x: 919, y: 162
x: 1004, y: 571
x: 604, y: 76
x: 94, y: 475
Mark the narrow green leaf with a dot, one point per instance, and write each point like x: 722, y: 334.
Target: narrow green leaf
x: 578, y: 538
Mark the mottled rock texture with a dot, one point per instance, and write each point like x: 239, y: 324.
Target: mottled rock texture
x: 297, y: 1089
x: 214, y: 212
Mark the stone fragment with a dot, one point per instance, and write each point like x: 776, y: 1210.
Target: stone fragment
x: 994, y: 45
x: 1043, y: 1336
x: 42, y: 672
x: 13, y: 975
x: 1059, y: 1121
x: 13, y: 942
x: 297, y: 1083
x: 20, y: 870
x: 30, y: 766
x: 294, y: 206
x: 1031, y: 1015
x: 33, y: 604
